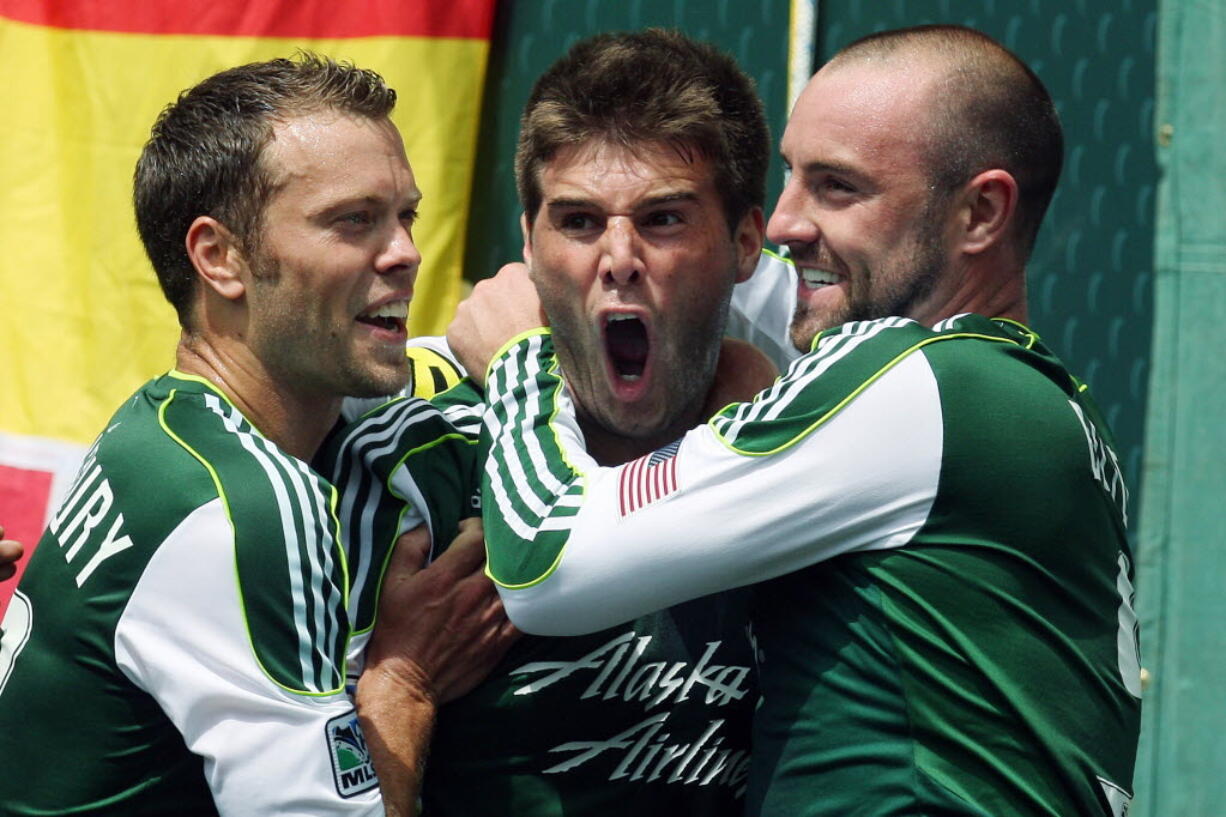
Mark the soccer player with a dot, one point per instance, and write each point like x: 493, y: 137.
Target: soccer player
x: 641, y: 170
x: 178, y: 642
x: 927, y: 503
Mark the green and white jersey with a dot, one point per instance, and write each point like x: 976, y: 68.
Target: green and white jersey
x: 934, y: 521
x: 761, y: 308
x: 177, y: 643
x: 650, y: 718
x: 396, y: 466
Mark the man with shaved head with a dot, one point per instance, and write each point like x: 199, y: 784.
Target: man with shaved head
x: 927, y: 504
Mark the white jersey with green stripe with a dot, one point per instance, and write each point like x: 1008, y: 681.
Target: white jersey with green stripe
x: 761, y: 309
x: 934, y: 519
x: 177, y: 644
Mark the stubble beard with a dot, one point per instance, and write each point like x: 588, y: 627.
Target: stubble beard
x: 691, y: 379
x: 317, y: 360
x: 901, y: 290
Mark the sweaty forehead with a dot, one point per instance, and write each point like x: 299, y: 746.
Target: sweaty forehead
x: 600, y: 169
x: 862, y: 109
x: 336, y: 150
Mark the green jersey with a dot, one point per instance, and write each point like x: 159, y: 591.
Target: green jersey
x: 177, y: 644
x: 650, y: 718
x: 934, y: 522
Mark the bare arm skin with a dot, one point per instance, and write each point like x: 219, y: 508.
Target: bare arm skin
x: 743, y: 371
x: 440, y: 630
x: 10, y: 552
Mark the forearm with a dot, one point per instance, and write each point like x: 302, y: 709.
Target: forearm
x: 397, y: 718
x: 743, y: 500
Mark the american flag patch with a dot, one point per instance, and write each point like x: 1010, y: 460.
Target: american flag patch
x: 648, y: 479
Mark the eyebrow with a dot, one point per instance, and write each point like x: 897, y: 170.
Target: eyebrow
x: 654, y: 201
x: 825, y: 167
x: 411, y: 202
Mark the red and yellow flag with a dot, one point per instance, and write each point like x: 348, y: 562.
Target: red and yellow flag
x: 82, y: 321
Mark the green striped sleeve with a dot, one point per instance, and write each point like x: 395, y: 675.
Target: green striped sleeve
x: 290, y: 568
x: 531, y: 491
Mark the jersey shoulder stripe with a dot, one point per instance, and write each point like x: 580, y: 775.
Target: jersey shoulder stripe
x: 290, y: 569
x: 843, y: 362
x: 402, y: 458
x: 533, y: 484
x: 463, y: 405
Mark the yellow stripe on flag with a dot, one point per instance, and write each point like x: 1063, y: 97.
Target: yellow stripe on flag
x: 83, y: 321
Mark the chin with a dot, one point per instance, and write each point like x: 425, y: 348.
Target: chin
x: 378, y: 384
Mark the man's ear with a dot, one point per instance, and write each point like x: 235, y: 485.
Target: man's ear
x: 526, y: 229
x: 215, y: 254
x: 989, y: 205
x: 750, y: 234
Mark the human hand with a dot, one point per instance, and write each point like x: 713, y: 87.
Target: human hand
x: 10, y: 552
x: 498, y: 309
x: 441, y: 627
x: 743, y: 371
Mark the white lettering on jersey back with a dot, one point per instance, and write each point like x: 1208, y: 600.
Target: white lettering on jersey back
x: 94, y: 501
x: 1104, y: 464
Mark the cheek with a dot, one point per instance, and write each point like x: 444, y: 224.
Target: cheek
x: 562, y: 277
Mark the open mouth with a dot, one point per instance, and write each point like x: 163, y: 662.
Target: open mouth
x: 817, y: 278
x: 627, y: 346
x: 390, y: 316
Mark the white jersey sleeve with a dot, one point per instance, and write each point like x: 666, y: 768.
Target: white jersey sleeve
x: 267, y: 750
x: 761, y: 309
x: 764, y: 489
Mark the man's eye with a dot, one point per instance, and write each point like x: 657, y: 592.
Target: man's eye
x: 360, y: 217
x: 577, y: 222
x: 409, y: 216
x: 663, y: 218
x: 837, y: 185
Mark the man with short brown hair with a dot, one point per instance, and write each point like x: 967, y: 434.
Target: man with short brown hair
x: 641, y: 169
x: 180, y: 640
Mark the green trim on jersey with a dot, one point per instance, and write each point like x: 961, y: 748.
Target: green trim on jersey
x: 848, y: 359
x: 269, y: 496
x: 778, y: 257
x: 365, y: 457
x: 539, y: 481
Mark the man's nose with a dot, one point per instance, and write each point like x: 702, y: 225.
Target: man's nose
x: 621, y: 260
x: 401, y: 252
x: 790, y: 223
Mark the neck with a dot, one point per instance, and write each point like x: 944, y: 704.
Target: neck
x: 993, y: 290
x: 295, y: 421
x: 611, y: 448
x: 742, y: 372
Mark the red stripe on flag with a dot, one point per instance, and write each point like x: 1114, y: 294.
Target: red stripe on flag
x: 639, y: 484
x: 23, y: 507
x: 313, y: 19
